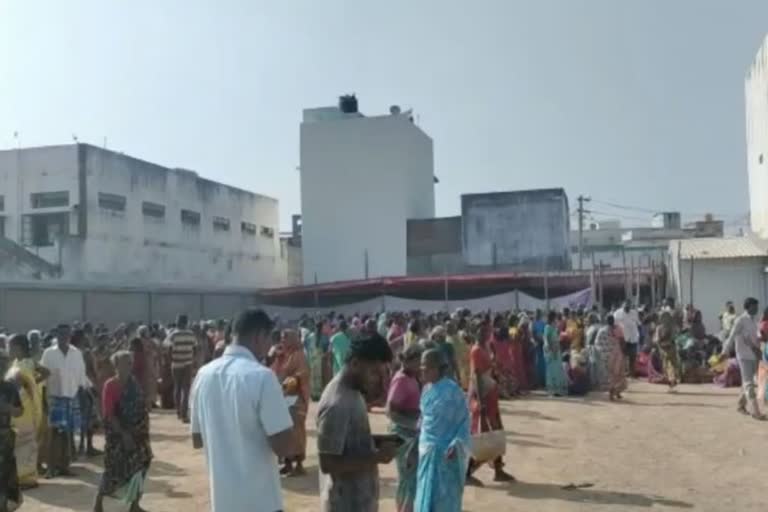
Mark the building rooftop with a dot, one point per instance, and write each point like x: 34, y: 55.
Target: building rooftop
x: 720, y: 248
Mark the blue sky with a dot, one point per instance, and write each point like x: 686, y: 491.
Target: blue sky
x: 638, y: 103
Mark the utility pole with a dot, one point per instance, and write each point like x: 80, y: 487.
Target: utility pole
x: 582, y: 211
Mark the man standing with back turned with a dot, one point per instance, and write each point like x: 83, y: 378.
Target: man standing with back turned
x: 182, y: 342
x: 241, y: 419
x: 744, y: 337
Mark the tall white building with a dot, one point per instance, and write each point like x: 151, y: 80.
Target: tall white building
x: 362, y: 178
x: 103, y: 217
x: 756, y: 92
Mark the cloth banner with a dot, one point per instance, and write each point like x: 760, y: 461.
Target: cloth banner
x: 501, y: 302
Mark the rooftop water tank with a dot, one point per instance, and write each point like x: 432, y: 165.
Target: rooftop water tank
x: 348, y: 104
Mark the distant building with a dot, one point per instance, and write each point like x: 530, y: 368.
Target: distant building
x: 614, y: 246
x: 362, y: 178
x: 756, y: 92
x: 99, y: 216
x: 523, y: 230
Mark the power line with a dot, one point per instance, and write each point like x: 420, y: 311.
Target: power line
x: 653, y: 211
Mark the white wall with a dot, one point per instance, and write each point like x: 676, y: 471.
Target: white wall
x: 127, y: 247
x: 131, y: 245
x: 24, y: 172
x: 756, y: 92
x: 361, y: 179
x: 716, y: 281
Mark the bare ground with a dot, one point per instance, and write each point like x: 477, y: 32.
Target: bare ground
x: 654, y: 451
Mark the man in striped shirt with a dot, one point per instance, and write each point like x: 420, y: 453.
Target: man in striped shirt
x: 182, y: 343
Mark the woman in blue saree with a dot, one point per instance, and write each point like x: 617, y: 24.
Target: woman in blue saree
x: 444, y: 440
x: 557, y: 380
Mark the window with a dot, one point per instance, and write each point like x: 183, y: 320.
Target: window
x: 50, y: 199
x: 190, y: 218
x: 248, y: 229
x: 2, y: 203
x: 41, y: 230
x: 220, y: 224
x: 267, y: 232
x: 153, y: 210
x: 112, y: 202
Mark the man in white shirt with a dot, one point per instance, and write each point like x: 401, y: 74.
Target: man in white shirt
x: 744, y: 339
x: 629, y: 321
x: 67, y: 367
x: 240, y: 418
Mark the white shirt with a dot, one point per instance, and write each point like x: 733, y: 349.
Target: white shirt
x: 236, y: 404
x: 67, y: 371
x: 629, y: 323
x: 745, y: 336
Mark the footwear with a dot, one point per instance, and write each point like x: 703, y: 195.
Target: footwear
x: 503, y: 476
x: 474, y: 482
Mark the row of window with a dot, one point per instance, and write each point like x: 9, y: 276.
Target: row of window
x: 117, y: 203
x: 189, y: 218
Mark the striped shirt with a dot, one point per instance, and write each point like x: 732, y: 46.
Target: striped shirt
x: 183, y: 345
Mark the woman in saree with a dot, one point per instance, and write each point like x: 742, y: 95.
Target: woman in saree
x: 403, y: 412
x: 444, y: 440
x: 519, y: 349
x: 317, y: 350
x: 461, y: 351
x: 10, y: 408
x: 610, y: 343
x: 292, y: 371
x: 484, y: 404
x: 502, y: 360
x: 665, y: 340
x: 127, y: 452
x: 28, y: 375
x: 556, y: 380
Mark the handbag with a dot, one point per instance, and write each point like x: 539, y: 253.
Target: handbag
x: 487, y: 446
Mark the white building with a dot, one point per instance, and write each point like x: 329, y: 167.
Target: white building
x: 104, y: 217
x: 362, y: 178
x: 723, y: 269
x: 756, y: 92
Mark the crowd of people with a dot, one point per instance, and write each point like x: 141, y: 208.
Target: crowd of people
x: 246, y: 386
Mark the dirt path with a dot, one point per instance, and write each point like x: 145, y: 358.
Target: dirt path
x: 655, y: 451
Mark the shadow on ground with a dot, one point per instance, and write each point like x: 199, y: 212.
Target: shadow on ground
x: 547, y: 491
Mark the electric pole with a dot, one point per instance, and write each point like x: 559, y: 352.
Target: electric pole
x: 582, y: 211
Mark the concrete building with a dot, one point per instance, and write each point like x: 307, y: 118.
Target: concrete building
x: 723, y: 269
x: 756, y: 92
x: 522, y: 229
x: 362, y: 178
x: 103, y: 217
x: 617, y: 246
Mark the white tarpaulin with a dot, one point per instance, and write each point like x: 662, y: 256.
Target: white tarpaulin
x: 501, y: 302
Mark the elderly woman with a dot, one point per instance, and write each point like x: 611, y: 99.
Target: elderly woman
x: 127, y: 452
x: 403, y: 411
x: 444, y: 440
x: 292, y: 371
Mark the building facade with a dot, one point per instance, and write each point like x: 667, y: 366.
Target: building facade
x: 521, y: 229
x: 362, y: 178
x: 756, y: 95
x: 104, y: 217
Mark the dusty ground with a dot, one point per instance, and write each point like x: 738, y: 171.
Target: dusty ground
x: 654, y: 451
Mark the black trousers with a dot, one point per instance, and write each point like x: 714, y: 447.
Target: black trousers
x: 182, y: 381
